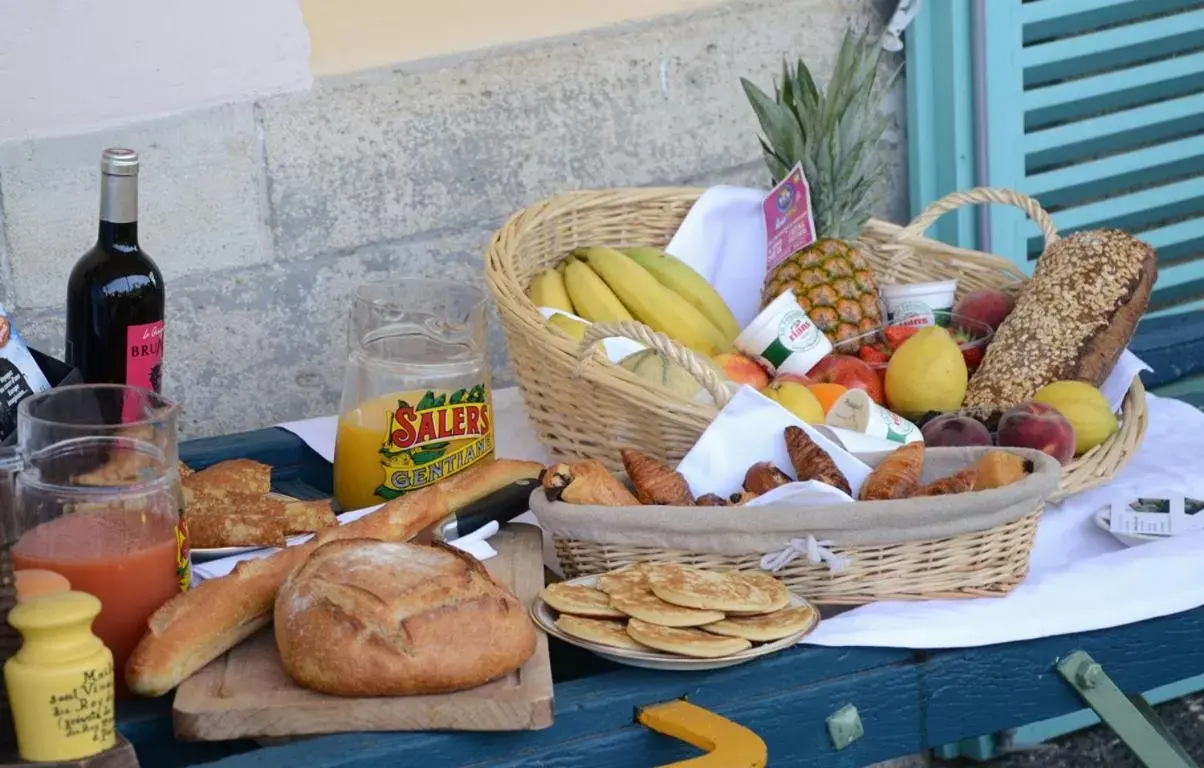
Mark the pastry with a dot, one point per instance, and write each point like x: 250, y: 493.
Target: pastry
x: 621, y: 579
x: 600, y: 631
x: 811, y: 462
x: 1071, y: 321
x: 645, y: 605
x: 362, y: 617
x: 707, y: 590
x: 995, y: 469
x: 685, y: 642
x: 580, y: 601
x: 962, y: 482
x: 763, y: 477
x: 897, y: 476
x: 308, y: 516
x: 711, y: 500
x: 586, y: 482
x: 779, y: 595
x: 740, y: 498
x: 765, y: 627
x: 655, y: 481
x: 235, y: 521
x: 195, y: 627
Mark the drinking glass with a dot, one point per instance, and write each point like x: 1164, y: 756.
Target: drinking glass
x: 118, y: 541
x: 416, y: 403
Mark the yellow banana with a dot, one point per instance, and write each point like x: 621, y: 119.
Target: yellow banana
x: 593, y: 300
x: 680, y: 277
x: 547, y: 290
x: 653, y: 304
x: 574, y: 328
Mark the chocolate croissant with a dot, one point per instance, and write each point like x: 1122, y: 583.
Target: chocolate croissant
x: 586, y: 482
x: 897, y: 477
x: 962, y: 482
x: 655, y: 481
x: 811, y: 462
x: 763, y: 477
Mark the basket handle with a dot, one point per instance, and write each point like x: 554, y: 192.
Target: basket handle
x: 694, y: 363
x: 956, y: 200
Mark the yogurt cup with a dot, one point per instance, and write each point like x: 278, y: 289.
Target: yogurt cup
x: 855, y: 411
x: 917, y: 302
x: 783, y: 338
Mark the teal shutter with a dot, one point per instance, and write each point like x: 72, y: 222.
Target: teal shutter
x: 1095, y: 107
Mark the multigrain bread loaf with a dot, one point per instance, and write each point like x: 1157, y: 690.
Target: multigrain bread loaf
x: 1071, y: 321
x: 195, y: 627
x: 372, y: 618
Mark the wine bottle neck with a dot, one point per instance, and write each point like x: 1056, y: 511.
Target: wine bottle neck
x: 118, y: 210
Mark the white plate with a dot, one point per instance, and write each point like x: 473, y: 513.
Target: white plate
x: 545, y: 618
x: 1103, y: 520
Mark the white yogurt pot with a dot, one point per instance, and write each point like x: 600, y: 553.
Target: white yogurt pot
x: 855, y: 411
x: 783, y: 338
x: 919, y: 301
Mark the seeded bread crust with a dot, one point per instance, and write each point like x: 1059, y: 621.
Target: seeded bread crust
x: 1071, y: 321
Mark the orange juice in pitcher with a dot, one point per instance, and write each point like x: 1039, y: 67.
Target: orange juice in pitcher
x: 416, y: 402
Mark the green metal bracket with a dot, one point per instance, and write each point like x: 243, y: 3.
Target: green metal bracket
x: 1130, y: 717
x: 844, y: 726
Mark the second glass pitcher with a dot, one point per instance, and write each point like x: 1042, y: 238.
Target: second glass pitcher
x: 416, y: 404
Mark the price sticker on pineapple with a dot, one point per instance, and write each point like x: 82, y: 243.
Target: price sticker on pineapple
x: 789, y: 220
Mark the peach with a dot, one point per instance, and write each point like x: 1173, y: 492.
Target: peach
x: 742, y: 369
x: 851, y: 373
x: 1039, y: 426
x: 986, y: 306
x: 951, y: 429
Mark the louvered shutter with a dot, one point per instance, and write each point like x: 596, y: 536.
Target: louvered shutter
x: 1096, y: 107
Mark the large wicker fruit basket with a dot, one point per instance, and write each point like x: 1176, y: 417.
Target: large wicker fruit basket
x: 581, y: 406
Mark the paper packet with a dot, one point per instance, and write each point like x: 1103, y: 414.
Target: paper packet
x: 20, y: 375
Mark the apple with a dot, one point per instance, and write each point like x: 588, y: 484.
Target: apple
x: 742, y: 369
x: 1036, y: 425
x: 851, y: 373
x: 797, y: 399
x: 986, y: 306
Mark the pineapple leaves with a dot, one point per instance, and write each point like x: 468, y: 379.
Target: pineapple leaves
x: 780, y: 128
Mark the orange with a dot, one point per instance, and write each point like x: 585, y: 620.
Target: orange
x: 827, y: 394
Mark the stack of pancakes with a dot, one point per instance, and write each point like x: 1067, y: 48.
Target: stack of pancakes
x: 679, y: 609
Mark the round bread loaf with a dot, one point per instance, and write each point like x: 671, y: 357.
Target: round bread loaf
x: 363, y: 617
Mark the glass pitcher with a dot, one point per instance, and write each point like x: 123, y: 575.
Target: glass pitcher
x: 416, y: 404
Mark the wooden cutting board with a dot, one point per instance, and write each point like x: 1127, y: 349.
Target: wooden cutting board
x: 247, y: 694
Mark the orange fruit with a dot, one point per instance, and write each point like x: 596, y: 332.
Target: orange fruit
x: 827, y: 394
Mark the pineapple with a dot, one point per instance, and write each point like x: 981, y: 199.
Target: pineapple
x: 834, y: 134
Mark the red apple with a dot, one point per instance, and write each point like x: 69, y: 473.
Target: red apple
x: 851, y: 373
x: 990, y: 307
x: 1040, y: 426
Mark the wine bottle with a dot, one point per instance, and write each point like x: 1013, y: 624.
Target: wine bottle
x: 115, y: 295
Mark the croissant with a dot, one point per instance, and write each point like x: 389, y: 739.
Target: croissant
x: 897, y: 476
x: 996, y: 469
x: 740, y: 498
x: 962, y: 482
x: 655, y: 481
x: 810, y: 462
x: 763, y: 477
x: 586, y: 482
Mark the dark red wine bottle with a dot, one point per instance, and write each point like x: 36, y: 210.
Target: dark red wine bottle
x: 115, y: 294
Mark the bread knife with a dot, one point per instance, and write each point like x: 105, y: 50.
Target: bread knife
x: 502, y: 505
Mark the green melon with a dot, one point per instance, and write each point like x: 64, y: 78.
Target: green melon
x: 655, y: 367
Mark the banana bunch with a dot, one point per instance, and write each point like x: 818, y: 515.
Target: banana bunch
x: 606, y: 285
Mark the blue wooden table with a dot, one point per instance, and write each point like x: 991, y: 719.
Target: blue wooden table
x: 907, y: 701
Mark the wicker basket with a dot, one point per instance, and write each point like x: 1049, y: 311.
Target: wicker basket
x: 580, y: 406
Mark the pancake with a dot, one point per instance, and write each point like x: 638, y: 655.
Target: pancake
x: 685, y: 642
x: 642, y: 604
x: 623, y: 579
x: 766, y: 627
x: 777, y: 591
x: 707, y: 590
x: 579, y: 601
x: 600, y: 631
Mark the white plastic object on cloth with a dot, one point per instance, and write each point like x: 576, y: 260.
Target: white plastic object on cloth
x: 905, y: 13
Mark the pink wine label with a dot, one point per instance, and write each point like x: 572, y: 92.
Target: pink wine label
x: 789, y: 222
x: 144, y: 355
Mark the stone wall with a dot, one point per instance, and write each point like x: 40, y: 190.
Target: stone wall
x: 265, y: 215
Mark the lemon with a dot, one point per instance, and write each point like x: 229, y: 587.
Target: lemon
x: 926, y: 373
x: 1085, y: 407
x: 797, y: 399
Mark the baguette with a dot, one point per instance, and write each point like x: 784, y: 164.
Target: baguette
x: 195, y: 627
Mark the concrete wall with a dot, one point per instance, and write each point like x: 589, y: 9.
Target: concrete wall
x: 264, y: 211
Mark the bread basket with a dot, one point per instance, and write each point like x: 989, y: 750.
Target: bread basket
x: 581, y: 406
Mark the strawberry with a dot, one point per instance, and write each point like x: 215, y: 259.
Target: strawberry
x: 872, y: 354
x: 973, y: 357
x: 897, y: 334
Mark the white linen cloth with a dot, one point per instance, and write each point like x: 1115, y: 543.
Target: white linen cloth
x: 1080, y: 577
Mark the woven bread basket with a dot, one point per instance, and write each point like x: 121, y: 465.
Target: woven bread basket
x: 581, y: 406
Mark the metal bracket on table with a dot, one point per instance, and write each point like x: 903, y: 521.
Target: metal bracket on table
x: 844, y: 726
x: 727, y: 744
x: 1130, y: 717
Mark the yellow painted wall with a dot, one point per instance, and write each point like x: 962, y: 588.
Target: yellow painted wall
x: 349, y: 35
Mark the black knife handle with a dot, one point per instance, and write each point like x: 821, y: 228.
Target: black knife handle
x: 504, y: 504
